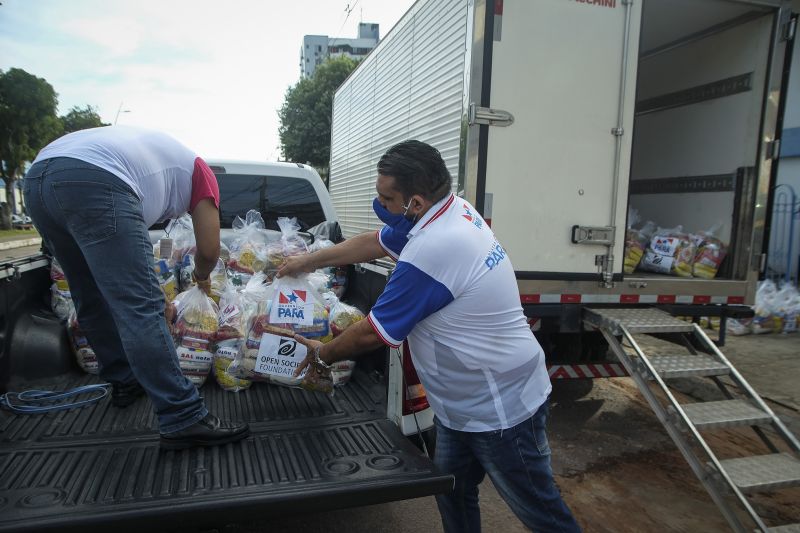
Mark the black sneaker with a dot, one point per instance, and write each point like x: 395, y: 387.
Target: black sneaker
x: 124, y: 394
x: 210, y: 431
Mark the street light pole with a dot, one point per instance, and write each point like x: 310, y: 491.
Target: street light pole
x: 120, y: 110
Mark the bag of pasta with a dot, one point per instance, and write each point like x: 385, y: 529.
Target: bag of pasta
x: 194, y: 331
x: 709, y: 255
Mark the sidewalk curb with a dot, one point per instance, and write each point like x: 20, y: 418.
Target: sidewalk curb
x: 20, y: 243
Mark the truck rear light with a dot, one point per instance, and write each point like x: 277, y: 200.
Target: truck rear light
x: 414, y: 397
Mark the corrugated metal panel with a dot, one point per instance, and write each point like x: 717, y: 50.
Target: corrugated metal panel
x: 410, y: 86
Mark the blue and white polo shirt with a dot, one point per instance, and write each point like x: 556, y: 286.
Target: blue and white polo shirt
x: 454, y: 296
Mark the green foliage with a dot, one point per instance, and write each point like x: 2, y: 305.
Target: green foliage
x: 81, y: 119
x: 305, y: 115
x: 28, y: 119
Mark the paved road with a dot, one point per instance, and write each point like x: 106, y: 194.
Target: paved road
x: 15, y: 253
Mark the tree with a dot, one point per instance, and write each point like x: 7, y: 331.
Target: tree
x: 81, y: 119
x: 28, y: 122
x: 305, y: 115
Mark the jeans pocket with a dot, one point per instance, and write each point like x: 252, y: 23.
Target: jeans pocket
x: 540, y: 435
x: 88, y: 209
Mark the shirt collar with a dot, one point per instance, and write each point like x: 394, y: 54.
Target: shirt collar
x: 436, y: 211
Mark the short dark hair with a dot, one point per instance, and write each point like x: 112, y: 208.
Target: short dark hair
x: 417, y: 168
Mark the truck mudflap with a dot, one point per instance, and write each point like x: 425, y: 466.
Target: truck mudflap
x: 98, y: 467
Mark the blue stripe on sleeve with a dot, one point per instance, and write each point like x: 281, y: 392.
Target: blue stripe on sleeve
x: 392, y: 241
x: 410, y: 296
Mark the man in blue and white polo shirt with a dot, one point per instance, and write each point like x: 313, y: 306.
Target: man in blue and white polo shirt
x: 454, y: 296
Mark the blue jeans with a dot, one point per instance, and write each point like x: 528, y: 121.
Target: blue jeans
x: 517, y: 461
x: 92, y: 222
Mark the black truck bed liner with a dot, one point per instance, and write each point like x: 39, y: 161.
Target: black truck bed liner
x: 99, y: 467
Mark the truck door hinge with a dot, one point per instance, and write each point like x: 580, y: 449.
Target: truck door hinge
x: 760, y: 262
x: 773, y: 149
x: 618, y: 132
x: 600, y: 235
x: 788, y: 29
x: 490, y: 117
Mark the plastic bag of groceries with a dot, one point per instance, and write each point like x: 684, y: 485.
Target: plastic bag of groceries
x: 235, y: 312
x: 671, y: 251
x: 178, y: 240
x: 636, y: 241
x: 218, y: 276
x: 60, y: 302
x: 60, y: 296
x: 290, y: 243
x: 765, y: 319
x: 739, y: 327
x: 786, y: 307
x: 322, y: 240
x: 709, y: 254
x: 343, y: 316
x: 166, y: 279
x: 194, y: 332
x: 84, y: 354
x: 248, y: 250
x: 270, y: 352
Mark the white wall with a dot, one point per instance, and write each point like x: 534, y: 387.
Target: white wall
x: 712, y: 137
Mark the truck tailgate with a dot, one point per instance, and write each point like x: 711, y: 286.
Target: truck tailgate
x: 99, y: 467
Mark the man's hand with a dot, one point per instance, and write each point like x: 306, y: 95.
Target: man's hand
x: 318, y: 375
x: 296, y: 264
x: 204, y: 284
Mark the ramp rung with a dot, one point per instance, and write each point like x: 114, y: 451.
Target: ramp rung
x: 763, y: 472
x: 726, y: 413
x: 684, y: 366
x: 787, y: 528
x: 636, y: 320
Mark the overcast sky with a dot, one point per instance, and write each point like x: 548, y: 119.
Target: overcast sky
x: 213, y: 74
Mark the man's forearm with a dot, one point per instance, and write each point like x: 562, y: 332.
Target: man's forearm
x: 356, y: 340
x: 359, y: 249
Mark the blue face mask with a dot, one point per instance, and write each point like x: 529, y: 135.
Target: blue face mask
x: 399, y: 222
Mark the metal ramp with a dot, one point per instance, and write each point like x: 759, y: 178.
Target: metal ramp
x: 730, y: 482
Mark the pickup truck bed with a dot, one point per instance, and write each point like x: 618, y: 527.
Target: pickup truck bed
x: 99, y: 467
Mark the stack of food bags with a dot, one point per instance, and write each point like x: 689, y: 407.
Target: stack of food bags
x: 270, y: 352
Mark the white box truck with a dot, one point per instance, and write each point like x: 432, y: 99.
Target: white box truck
x: 557, y: 116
